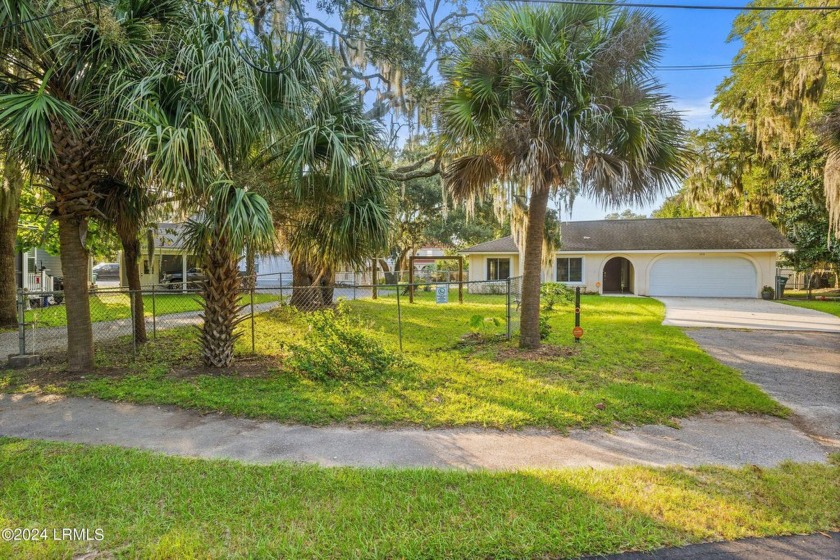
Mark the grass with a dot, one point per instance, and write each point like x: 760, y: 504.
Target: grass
x: 629, y: 369
x: 154, y: 506
x: 832, y: 307
x: 112, y: 306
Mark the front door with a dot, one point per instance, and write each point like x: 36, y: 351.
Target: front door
x: 612, y: 275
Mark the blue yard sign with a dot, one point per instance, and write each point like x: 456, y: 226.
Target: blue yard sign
x: 442, y: 294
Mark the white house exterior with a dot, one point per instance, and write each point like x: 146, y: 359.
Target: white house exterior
x: 36, y: 270
x: 695, y: 257
x: 170, y: 257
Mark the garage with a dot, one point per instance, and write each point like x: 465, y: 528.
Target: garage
x: 703, y: 277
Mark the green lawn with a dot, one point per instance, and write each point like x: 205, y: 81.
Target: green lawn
x: 636, y: 370
x: 112, y: 306
x: 832, y: 307
x: 154, y: 506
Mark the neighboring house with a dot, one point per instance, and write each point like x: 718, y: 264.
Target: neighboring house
x: 169, y: 259
x: 429, y: 251
x: 36, y: 270
x: 696, y: 257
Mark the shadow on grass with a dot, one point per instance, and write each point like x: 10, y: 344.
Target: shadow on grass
x: 148, y: 505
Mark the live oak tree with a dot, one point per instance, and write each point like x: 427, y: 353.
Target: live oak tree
x: 549, y: 100
x: 784, y: 102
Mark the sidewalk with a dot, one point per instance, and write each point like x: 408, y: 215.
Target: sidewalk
x: 54, y: 339
x: 725, y: 439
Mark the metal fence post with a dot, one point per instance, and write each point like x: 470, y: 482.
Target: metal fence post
x: 399, y: 316
x: 21, y: 323
x: 154, y: 315
x: 508, y: 308
x: 253, y: 337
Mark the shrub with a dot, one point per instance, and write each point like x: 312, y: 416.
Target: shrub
x: 484, y: 325
x: 555, y: 293
x: 545, y: 328
x: 336, y: 346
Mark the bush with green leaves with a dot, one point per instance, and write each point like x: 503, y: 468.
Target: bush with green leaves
x: 479, y: 324
x: 555, y: 293
x: 545, y: 327
x: 337, y: 346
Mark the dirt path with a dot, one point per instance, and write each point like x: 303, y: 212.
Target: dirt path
x: 727, y: 439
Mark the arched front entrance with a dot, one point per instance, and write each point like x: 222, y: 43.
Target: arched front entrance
x: 619, y: 277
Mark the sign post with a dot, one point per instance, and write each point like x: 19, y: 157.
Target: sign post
x: 578, y: 330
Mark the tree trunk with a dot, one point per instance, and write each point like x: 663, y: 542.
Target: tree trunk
x: 131, y: 254
x: 327, y: 286
x: 74, y: 266
x: 305, y: 296
x: 220, y: 292
x: 529, y: 328
x: 250, y: 270
x: 9, y: 213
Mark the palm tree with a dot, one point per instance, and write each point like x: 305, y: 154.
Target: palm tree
x: 341, y: 209
x: 546, y: 100
x: 234, y: 221
x: 204, y: 122
x: 128, y: 209
x: 57, y: 71
x: 10, y: 189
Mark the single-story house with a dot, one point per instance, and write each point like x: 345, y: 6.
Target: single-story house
x: 170, y: 257
x: 697, y: 257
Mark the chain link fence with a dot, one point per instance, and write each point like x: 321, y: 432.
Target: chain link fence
x: 436, y: 305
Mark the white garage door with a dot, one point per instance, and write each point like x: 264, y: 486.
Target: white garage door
x: 703, y: 277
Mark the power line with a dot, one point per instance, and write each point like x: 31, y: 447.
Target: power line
x: 45, y: 16
x: 685, y: 6
x: 724, y: 66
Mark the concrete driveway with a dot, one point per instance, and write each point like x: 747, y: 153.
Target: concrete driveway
x: 734, y: 313
x: 801, y: 370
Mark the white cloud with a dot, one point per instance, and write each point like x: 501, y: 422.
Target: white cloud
x: 697, y: 113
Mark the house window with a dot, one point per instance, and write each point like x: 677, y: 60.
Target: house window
x: 498, y: 269
x: 570, y: 270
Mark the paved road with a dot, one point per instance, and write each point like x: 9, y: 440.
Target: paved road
x: 54, y: 339
x: 726, y: 438
x: 798, y: 547
x: 799, y: 369
x: 733, y: 313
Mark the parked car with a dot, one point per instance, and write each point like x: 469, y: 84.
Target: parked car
x: 175, y: 280
x: 107, y: 270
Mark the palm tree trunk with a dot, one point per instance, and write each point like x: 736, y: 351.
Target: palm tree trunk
x: 529, y: 329
x: 9, y: 213
x: 250, y: 270
x: 74, y: 266
x: 131, y: 254
x: 304, y: 296
x: 220, y: 292
x: 327, y: 286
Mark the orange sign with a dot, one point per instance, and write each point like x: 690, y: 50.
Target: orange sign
x: 578, y: 332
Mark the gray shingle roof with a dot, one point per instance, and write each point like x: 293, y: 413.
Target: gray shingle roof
x: 743, y: 233
x: 503, y: 245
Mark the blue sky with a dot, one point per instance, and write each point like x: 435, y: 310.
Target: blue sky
x: 693, y: 37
